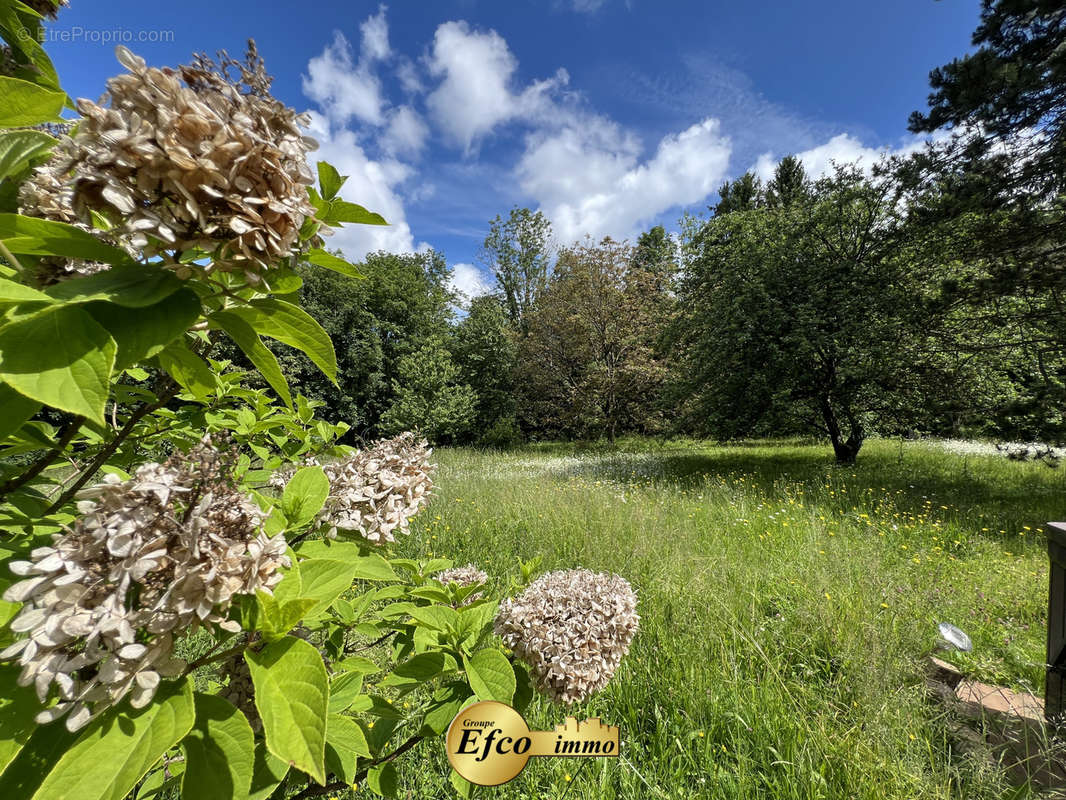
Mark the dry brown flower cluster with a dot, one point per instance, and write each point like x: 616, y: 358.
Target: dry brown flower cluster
x: 239, y: 690
x: 572, y: 628
x: 202, y: 158
x: 149, y: 560
x: 376, y: 491
x: 467, y: 575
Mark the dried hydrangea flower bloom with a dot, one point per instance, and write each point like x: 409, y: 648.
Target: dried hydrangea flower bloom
x: 199, y: 158
x: 376, y: 491
x: 572, y: 628
x: 468, y: 575
x: 149, y: 560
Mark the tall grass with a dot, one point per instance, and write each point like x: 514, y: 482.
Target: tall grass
x: 786, y: 606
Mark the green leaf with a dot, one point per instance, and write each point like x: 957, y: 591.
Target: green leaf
x: 461, y: 785
x: 321, y: 258
x: 292, y: 696
x: 440, y: 618
x: 141, y: 333
x: 490, y: 675
x: 18, y: 706
x: 417, y: 669
x: 268, y: 773
x: 23, y: 103
x: 346, y: 743
x: 11, y: 292
x: 252, y: 346
x: 293, y: 326
x: 277, y: 618
x: 44, y: 237
x: 304, y: 495
x: 133, y: 286
x: 35, y: 760
x: 116, y: 750
x: 219, y: 752
x: 19, y: 148
x: 383, y: 780
x: 329, y: 180
x: 357, y: 664
x: 59, y: 356
x: 189, y: 370
x: 341, y: 211
x: 17, y: 409
x: 324, y: 581
x: 523, y: 693
x: 343, y: 690
x: 445, y: 704
x: 25, y: 40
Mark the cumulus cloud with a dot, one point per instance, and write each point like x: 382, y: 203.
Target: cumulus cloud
x: 406, y: 132
x: 841, y: 149
x: 375, y: 31
x: 475, y: 93
x: 469, y: 281
x: 589, y: 179
x: 374, y: 184
x: 342, y: 88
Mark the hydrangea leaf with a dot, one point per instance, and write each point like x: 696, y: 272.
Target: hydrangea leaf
x: 269, y: 771
x: 292, y: 696
x: 245, y: 337
x: 293, y: 326
x: 59, y: 356
x: 45, y: 237
x: 116, y: 750
x: 383, y: 780
x: 141, y: 333
x: 325, y: 580
x: 304, y: 495
x: 490, y: 675
x: 219, y: 752
x: 26, y: 104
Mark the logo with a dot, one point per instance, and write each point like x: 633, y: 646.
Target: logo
x: 489, y: 743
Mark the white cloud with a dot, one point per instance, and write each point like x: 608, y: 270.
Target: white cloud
x: 841, y: 149
x: 469, y: 281
x: 589, y: 180
x: 344, y: 90
x: 375, y: 31
x: 475, y: 93
x: 372, y: 184
x: 406, y: 133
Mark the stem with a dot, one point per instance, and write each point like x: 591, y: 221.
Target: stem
x: 11, y: 258
x: 113, y: 445
x: 41, y: 463
x: 210, y: 658
x: 315, y: 791
x: 374, y: 643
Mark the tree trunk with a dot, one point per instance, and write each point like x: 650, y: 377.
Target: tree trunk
x: 845, y: 450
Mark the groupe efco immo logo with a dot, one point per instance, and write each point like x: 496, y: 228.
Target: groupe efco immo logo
x: 489, y: 743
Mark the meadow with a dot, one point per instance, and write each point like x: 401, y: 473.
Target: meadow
x: 787, y: 606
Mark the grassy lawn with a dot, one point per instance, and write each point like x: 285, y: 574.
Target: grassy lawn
x: 786, y: 606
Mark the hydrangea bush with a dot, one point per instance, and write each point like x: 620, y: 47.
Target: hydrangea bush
x: 198, y: 596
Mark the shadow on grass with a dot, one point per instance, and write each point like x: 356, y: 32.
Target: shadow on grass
x: 990, y: 492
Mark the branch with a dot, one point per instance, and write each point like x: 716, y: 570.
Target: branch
x: 210, y: 659
x: 41, y: 463
x: 109, y: 450
x: 316, y: 791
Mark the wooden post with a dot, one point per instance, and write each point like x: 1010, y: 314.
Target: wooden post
x: 1055, y: 695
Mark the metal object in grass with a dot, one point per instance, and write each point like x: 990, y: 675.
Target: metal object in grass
x: 954, y: 638
x: 1055, y: 694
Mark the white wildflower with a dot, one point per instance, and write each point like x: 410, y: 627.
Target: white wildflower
x: 572, y: 628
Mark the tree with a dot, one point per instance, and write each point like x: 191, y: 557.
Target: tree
x: 429, y: 397
x: 1010, y: 91
x: 789, y: 185
x: 655, y: 251
x: 518, y: 251
x: 743, y: 194
x: 483, y: 347
x: 799, y: 315
x: 588, y: 365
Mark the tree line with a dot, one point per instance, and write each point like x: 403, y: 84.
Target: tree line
x: 921, y: 294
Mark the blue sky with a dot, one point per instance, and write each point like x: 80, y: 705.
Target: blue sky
x: 609, y: 115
